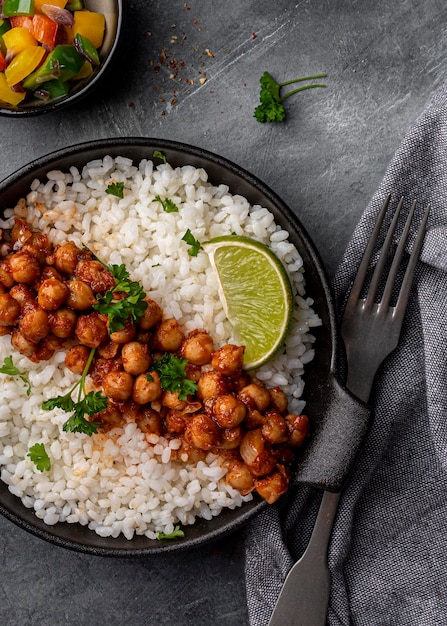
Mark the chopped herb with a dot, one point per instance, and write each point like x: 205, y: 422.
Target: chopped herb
x: 271, y: 108
x: 168, y: 205
x: 172, y: 372
x: 10, y: 369
x: 39, y: 457
x: 159, y: 155
x: 86, y: 404
x: 120, y: 310
x: 177, y: 532
x: 115, y: 189
x: 189, y: 238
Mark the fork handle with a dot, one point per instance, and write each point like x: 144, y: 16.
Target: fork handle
x: 309, y: 577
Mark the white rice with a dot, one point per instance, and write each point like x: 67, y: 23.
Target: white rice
x: 123, y: 482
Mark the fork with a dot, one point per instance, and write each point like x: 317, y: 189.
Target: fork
x: 370, y: 330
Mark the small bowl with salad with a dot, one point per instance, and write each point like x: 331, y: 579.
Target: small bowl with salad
x: 54, y: 52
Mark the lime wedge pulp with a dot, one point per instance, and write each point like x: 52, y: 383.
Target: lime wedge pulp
x: 256, y: 294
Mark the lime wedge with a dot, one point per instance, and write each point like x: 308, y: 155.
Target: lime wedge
x: 256, y: 294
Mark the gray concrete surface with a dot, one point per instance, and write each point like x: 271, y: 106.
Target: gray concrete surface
x: 383, y: 60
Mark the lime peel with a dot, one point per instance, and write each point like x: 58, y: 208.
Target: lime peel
x: 256, y: 294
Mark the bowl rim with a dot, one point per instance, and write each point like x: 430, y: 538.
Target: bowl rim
x: 68, y: 535
x: 83, y: 91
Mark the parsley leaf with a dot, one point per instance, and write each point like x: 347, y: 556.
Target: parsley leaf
x: 168, y: 205
x: 115, y: 189
x: 119, y: 310
x: 271, y: 108
x: 177, y: 532
x: 10, y: 369
x: 189, y: 238
x: 157, y: 154
x: 86, y: 404
x: 172, y: 372
x: 39, y: 457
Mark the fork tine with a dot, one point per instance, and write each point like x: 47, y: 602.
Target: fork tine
x: 388, y: 291
x: 378, y: 271
x: 408, y: 277
x: 363, y: 267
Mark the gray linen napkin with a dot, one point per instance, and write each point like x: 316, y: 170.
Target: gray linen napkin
x: 388, y: 554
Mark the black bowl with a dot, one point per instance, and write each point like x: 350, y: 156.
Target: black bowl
x: 113, y: 12
x: 338, y: 421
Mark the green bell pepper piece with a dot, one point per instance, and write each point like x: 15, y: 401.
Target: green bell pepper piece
x: 18, y: 7
x: 52, y: 89
x: 62, y: 63
x: 4, y: 26
x: 74, y: 5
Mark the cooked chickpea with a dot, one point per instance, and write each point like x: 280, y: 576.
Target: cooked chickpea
x: 108, y: 350
x: 147, y: 388
x: 198, y: 347
x: 212, y: 384
x: 149, y: 421
x: 23, y: 294
x: 124, y: 334
x: 228, y: 411
x: 275, y: 429
x: 255, y: 397
x: 240, y: 478
x: 278, y: 400
x: 117, y: 385
x: 255, y: 454
x: 91, y: 329
x: 62, y: 322
x: 50, y: 272
x: 34, y: 324
x: 76, y: 358
x: 20, y: 232
x: 175, y: 422
x: 52, y: 294
x: 24, y: 267
x: 152, y: 315
x: 168, y: 336
x: 9, y: 310
x: 6, y: 278
x: 201, y: 432
x: 66, y: 258
x: 97, y: 277
x: 231, y: 438
x: 136, y: 357
x: 228, y: 359
x: 171, y: 400
x: 110, y: 418
x: 80, y: 297
x: 272, y: 487
x: 298, y: 429
x: 21, y: 344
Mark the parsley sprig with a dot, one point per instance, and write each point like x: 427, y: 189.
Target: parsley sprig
x: 194, y: 244
x: 86, y: 404
x: 271, y: 108
x: 177, y: 532
x: 172, y: 372
x: 10, y: 369
x: 115, y: 189
x: 120, y: 310
x: 39, y: 457
x: 168, y: 205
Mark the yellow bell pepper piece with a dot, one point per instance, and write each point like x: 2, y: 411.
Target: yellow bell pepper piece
x: 7, y: 94
x: 23, y: 64
x: 91, y: 25
x: 39, y: 3
x: 17, y: 39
